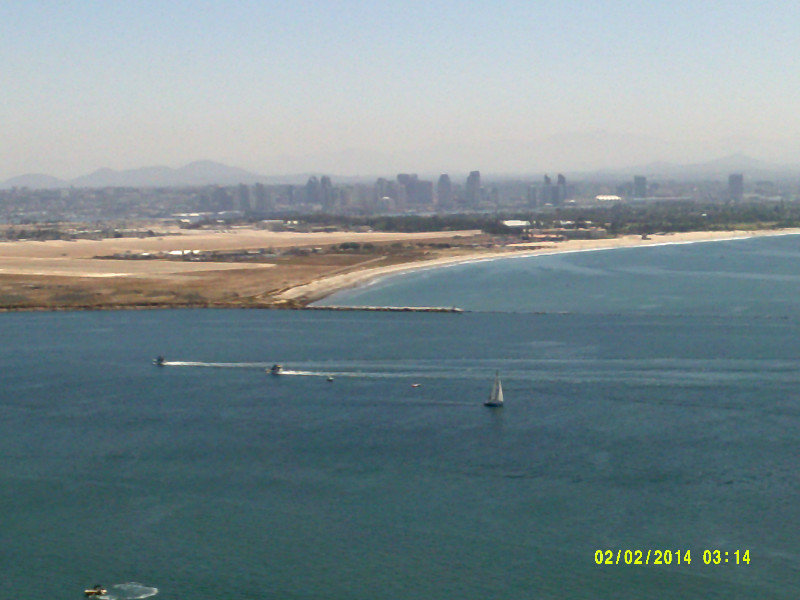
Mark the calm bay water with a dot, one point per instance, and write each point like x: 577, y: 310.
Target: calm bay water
x: 758, y: 276
x: 652, y: 402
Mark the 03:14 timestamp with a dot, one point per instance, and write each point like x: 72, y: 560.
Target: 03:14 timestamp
x: 651, y: 556
x: 716, y: 557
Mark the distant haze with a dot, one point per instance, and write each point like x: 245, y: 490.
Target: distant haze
x: 201, y: 173
x: 355, y: 88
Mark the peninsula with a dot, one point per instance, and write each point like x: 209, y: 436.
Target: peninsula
x: 247, y: 267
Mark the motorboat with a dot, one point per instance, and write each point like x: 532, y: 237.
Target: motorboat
x: 275, y: 369
x: 158, y: 361
x: 97, y: 590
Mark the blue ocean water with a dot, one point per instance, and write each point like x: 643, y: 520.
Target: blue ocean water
x: 652, y: 403
x: 757, y: 276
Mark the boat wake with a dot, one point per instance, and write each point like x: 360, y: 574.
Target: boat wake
x: 233, y: 365
x: 675, y: 372
x: 129, y: 591
x: 358, y: 374
x: 413, y: 371
x: 288, y: 372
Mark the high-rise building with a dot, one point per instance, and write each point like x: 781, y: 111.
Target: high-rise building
x: 243, y: 198
x: 640, y: 186
x: 548, y: 193
x: 408, y: 188
x: 326, y: 192
x: 423, y: 193
x: 735, y: 186
x: 561, y: 190
x: 383, y: 189
x: 444, y: 192
x: 417, y: 193
x: 221, y: 200
x: 313, y: 191
x: 472, y: 189
x: 260, y: 203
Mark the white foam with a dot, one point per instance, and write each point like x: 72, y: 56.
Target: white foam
x: 130, y: 591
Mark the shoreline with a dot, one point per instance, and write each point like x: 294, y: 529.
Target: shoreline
x: 303, y: 295
x: 324, y: 287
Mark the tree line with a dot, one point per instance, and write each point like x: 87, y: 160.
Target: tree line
x: 619, y: 218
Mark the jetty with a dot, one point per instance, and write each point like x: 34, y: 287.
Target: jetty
x: 433, y: 309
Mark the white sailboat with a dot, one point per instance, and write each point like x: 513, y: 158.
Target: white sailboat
x: 496, y: 397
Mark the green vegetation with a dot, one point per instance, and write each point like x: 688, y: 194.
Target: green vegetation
x: 619, y: 218
x: 39, y: 234
x: 652, y: 217
x: 405, y: 223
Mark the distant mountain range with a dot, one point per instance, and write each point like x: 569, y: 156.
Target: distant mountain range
x: 719, y: 168
x: 207, y: 172
x: 198, y: 173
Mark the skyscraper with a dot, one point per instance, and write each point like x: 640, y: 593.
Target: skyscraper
x: 472, y: 189
x: 444, y: 192
x: 313, y: 191
x: 423, y: 193
x: 561, y: 190
x: 326, y: 192
x: 243, y: 198
x: 735, y: 186
x: 221, y: 200
x: 408, y: 187
x: 547, y: 191
x: 260, y: 197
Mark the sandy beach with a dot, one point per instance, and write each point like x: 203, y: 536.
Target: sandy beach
x: 305, y: 267
x: 325, y: 286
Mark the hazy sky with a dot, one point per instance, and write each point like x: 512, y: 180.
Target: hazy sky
x: 362, y: 87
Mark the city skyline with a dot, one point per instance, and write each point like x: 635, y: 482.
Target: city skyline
x: 205, y: 173
x: 351, y: 88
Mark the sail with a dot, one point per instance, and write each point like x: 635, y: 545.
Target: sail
x: 497, y: 391
x: 498, y: 396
